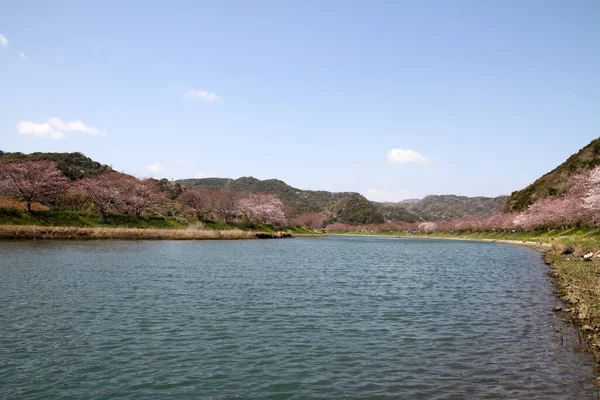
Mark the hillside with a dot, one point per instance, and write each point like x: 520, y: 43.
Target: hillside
x: 447, y: 207
x: 301, y: 200
x: 559, y: 180
x: 73, y: 165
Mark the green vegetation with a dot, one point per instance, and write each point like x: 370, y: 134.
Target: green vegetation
x: 355, y: 210
x: 559, y: 180
x: 67, y: 218
x: 301, y: 200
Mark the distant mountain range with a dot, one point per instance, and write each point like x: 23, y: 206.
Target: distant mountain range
x: 430, y: 208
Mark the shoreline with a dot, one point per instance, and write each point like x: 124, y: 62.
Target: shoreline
x: 576, y: 282
x: 30, y: 232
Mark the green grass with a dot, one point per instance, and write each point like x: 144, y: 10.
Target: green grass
x: 80, y: 219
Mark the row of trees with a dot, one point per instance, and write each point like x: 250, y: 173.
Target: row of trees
x: 116, y: 193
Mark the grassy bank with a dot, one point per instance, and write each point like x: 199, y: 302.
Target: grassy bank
x: 79, y: 219
x: 75, y: 233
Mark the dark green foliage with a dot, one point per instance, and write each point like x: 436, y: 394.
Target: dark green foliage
x: 55, y: 217
x: 559, y: 180
x: 355, y: 210
x: 73, y: 165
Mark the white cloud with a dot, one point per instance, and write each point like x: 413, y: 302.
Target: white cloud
x: 180, y: 161
x: 401, y: 156
x: 3, y: 41
x: 204, y: 95
x: 22, y: 55
x: 157, y: 167
x: 55, y: 129
x: 200, y: 175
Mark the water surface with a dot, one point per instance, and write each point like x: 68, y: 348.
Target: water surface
x: 338, y: 317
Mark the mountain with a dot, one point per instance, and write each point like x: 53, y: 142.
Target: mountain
x: 559, y: 180
x: 73, y: 165
x: 443, y: 207
x: 301, y: 200
x: 355, y: 210
x: 429, y: 208
x: 409, y: 201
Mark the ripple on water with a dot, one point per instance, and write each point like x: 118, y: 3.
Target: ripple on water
x: 308, y: 318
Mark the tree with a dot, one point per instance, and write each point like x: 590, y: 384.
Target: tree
x: 102, y: 191
x: 265, y: 208
x: 200, y: 200
x: 312, y: 220
x: 591, y: 196
x: 140, y: 195
x: 32, y: 181
x: 224, y: 203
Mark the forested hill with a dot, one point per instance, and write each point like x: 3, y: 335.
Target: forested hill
x: 302, y: 200
x: 73, y: 165
x: 559, y: 180
x: 444, y: 207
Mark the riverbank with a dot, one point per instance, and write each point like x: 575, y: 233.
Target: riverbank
x: 75, y: 233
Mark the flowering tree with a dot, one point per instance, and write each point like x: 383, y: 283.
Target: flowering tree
x: 428, y: 226
x: 265, y: 208
x: 337, y: 226
x: 139, y: 196
x: 591, y: 196
x: 114, y: 192
x: 102, y: 191
x: 224, y: 203
x: 200, y: 200
x: 312, y: 220
x: 32, y: 181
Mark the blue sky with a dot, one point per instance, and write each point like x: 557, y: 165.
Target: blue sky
x: 392, y: 99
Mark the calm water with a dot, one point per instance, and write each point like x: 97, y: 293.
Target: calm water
x: 337, y: 317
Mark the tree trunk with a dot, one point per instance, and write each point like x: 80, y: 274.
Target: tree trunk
x: 29, y: 206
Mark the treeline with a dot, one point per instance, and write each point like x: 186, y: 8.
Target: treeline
x: 579, y: 207
x: 113, y: 192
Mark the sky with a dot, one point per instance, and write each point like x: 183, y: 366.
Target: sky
x: 392, y: 99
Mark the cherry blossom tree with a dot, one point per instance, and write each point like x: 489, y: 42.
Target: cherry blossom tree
x: 32, y: 181
x: 224, y: 203
x: 103, y: 191
x: 140, y: 195
x: 198, y: 199
x: 312, y: 220
x: 591, y: 195
x: 265, y: 208
x: 428, y: 226
x: 337, y: 226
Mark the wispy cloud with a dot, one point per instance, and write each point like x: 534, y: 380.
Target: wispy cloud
x: 401, y: 156
x: 55, y: 129
x: 3, y: 41
x: 204, y: 95
x: 157, y: 167
x: 22, y: 55
x: 180, y: 161
x: 200, y: 175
